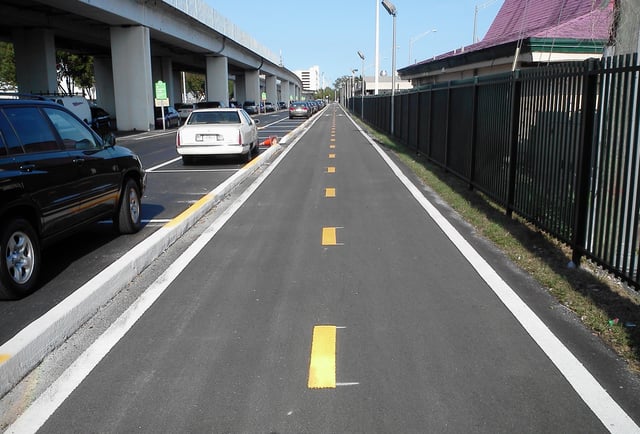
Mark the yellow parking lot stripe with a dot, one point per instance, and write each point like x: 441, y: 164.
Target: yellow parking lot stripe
x: 329, y: 237
x: 322, y: 367
x: 331, y: 169
x: 329, y: 192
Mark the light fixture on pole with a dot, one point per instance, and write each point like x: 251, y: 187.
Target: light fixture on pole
x: 361, y: 85
x: 415, y: 38
x: 391, y: 9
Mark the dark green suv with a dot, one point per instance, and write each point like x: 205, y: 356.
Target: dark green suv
x: 56, y: 176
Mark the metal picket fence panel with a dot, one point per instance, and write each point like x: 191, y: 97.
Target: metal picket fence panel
x: 558, y: 145
x: 612, y: 237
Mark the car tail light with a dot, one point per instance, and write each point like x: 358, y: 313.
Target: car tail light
x: 239, y: 138
x: 178, y: 140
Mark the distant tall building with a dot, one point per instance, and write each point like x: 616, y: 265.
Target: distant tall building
x: 310, y: 78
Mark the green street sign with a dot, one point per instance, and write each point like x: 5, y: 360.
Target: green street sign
x: 161, y: 90
x: 264, y: 96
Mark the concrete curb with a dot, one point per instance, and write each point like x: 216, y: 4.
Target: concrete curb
x: 28, y: 348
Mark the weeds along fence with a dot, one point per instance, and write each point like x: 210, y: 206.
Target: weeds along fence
x: 557, y: 145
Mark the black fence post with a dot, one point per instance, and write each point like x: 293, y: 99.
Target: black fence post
x: 474, y: 134
x: 583, y: 161
x: 514, y: 134
x: 446, y: 129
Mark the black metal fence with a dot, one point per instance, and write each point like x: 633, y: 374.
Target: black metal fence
x: 558, y: 145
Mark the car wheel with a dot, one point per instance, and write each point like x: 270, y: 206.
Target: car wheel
x: 129, y: 217
x: 20, y: 260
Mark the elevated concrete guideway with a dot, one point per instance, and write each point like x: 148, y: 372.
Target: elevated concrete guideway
x: 136, y: 43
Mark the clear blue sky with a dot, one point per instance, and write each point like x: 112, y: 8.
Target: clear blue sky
x: 329, y: 33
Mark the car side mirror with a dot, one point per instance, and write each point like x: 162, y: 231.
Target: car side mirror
x: 110, y: 140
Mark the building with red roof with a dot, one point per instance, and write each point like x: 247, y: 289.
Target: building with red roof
x: 524, y: 34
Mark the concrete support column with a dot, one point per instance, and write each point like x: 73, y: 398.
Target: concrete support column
x: 103, y: 74
x: 252, y: 85
x: 162, y: 69
x: 271, y: 87
x: 177, y: 87
x: 218, y: 79
x: 132, y: 80
x: 241, y: 92
x: 284, y: 91
x: 35, y: 57
x: 293, y: 91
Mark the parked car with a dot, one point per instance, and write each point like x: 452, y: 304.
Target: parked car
x: 250, y: 107
x: 100, y: 121
x: 282, y: 105
x: 223, y: 131
x: 171, y: 117
x: 76, y: 104
x: 184, y: 110
x: 269, y: 107
x: 299, y: 110
x: 56, y: 176
x: 208, y: 104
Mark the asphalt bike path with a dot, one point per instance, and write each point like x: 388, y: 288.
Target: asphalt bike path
x: 334, y: 297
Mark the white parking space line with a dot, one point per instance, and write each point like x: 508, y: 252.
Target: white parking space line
x: 147, y: 135
x: 194, y: 170
x: 166, y: 163
x: 262, y: 127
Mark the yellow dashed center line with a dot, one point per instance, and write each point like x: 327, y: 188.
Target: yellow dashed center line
x: 329, y: 192
x: 329, y: 236
x: 322, y: 366
x: 332, y: 146
x: 331, y: 169
x: 4, y: 357
x: 332, y: 155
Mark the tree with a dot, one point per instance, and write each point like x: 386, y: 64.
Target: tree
x: 8, y: 80
x: 326, y: 93
x: 195, y: 85
x: 340, y: 81
x: 74, y: 70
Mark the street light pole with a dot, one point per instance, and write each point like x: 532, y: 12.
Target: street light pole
x: 362, y: 86
x: 391, y: 9
x: 376, y: 69
x: 475, y: 17
x: 415, y: 38
x: 353, y: 88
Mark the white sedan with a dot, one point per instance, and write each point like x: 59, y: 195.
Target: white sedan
x: 220, y: 131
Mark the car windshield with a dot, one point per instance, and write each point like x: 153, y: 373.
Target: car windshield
x: 214, y: 118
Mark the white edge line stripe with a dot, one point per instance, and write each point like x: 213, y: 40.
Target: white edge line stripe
x: 46, y: 404
x: 592, y: 393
